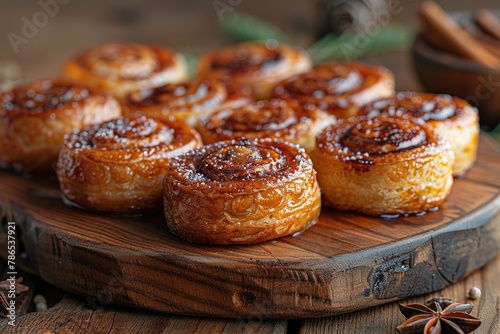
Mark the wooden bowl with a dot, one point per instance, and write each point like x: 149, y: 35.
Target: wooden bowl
x: 445, y: 73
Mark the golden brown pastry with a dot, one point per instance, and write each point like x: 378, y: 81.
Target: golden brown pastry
x: 278, y: 119
x: 189, y: 101
x: 241, y: 192
x: 384, y: 165
x: 257, y: 65
x: 35, y: 116
x: 453, y: 118
x: 118, y: 166
x: 339, y: 88
x: 120, y: 68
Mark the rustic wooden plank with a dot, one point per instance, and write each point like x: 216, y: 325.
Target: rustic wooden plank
x: 71, y: 315
x: 487, y: 163
x: 384, y: 319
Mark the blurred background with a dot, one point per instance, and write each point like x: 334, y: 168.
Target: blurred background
x: 39, y: 36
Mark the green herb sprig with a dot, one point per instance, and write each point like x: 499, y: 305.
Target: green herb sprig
x: 393, y: 37
x: 243, y: 27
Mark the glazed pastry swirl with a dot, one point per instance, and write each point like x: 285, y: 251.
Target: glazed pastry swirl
x: 190, y: 101
x: 118, y: 166
x: 254, y: 64
x: 42, y: 97
x: 129, y: 134
x: 278, y: 119
x: 241, y: 192
x: 247, y: 59
x: 339, y: 88
x: 132, y: 61
x: 34, y: 117
x: 122, y: 67
x: 383, y: 165
x: 429, y: 107
x: 453, y: 118
x: 383, y: 135
x: 242, y: 162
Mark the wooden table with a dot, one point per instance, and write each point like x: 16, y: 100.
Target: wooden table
x: 74, y: 314
x: 77, y: 25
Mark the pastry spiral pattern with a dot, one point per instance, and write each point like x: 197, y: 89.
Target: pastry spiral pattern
x: 453, y: 118
x: 383, y: 165
x: 257, y: 65
x: 35, y: 116
x: 120, y: 68
x: 278, y: 119
x: 118, y: 166
x: 339, y: 88
x: 189, y: 101
x: 241, y: 192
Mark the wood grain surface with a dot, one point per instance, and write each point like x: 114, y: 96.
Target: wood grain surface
x: 385, y: 318
x: 72, y: 314
x: 344, y: 263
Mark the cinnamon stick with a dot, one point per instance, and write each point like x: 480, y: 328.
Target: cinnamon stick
x: 488, y: 22
x: 442, y: 30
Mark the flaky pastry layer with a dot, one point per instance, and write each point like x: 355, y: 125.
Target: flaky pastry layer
x: 277, y: 119
x: 118, y: 166
x: 453, y: 118
x: 120, y: 68
x: 35, y: 116
x: 257, y: 65
x: 338, y: 88
x: 384, y: 165
x: 190, y: 101
x: 241, y: 192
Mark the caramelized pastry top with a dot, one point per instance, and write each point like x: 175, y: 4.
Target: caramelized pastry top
x: 35, y: 117
x: 245, y: 58
x: 125, y: 60
x: 128, y: 139
x: 286, y: 120
x: 120, y: 68
x: 256, y: 65
x: 240, y: 166
x: 45, y: 97
x: 195, y: 95
x: 429, y: 107
x: 381, y: 139
x: 336, y: 86
x: 383, y: 135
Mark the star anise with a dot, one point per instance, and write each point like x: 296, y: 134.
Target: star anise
x: 444, y: 302
x: 454, y: 319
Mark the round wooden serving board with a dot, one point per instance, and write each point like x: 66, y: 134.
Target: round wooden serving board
x: 345, y: 262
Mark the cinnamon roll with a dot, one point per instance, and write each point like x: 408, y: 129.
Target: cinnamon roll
x: 257, y: 65
x: 278, y: 119
x: 120, y: 68
x: 118, y: 166
x: 384, y: 165
x: 453, y: 118
x: 241, y: 192
x: 339, y: 88
x: 189, y: 101
x: 35, y: 116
